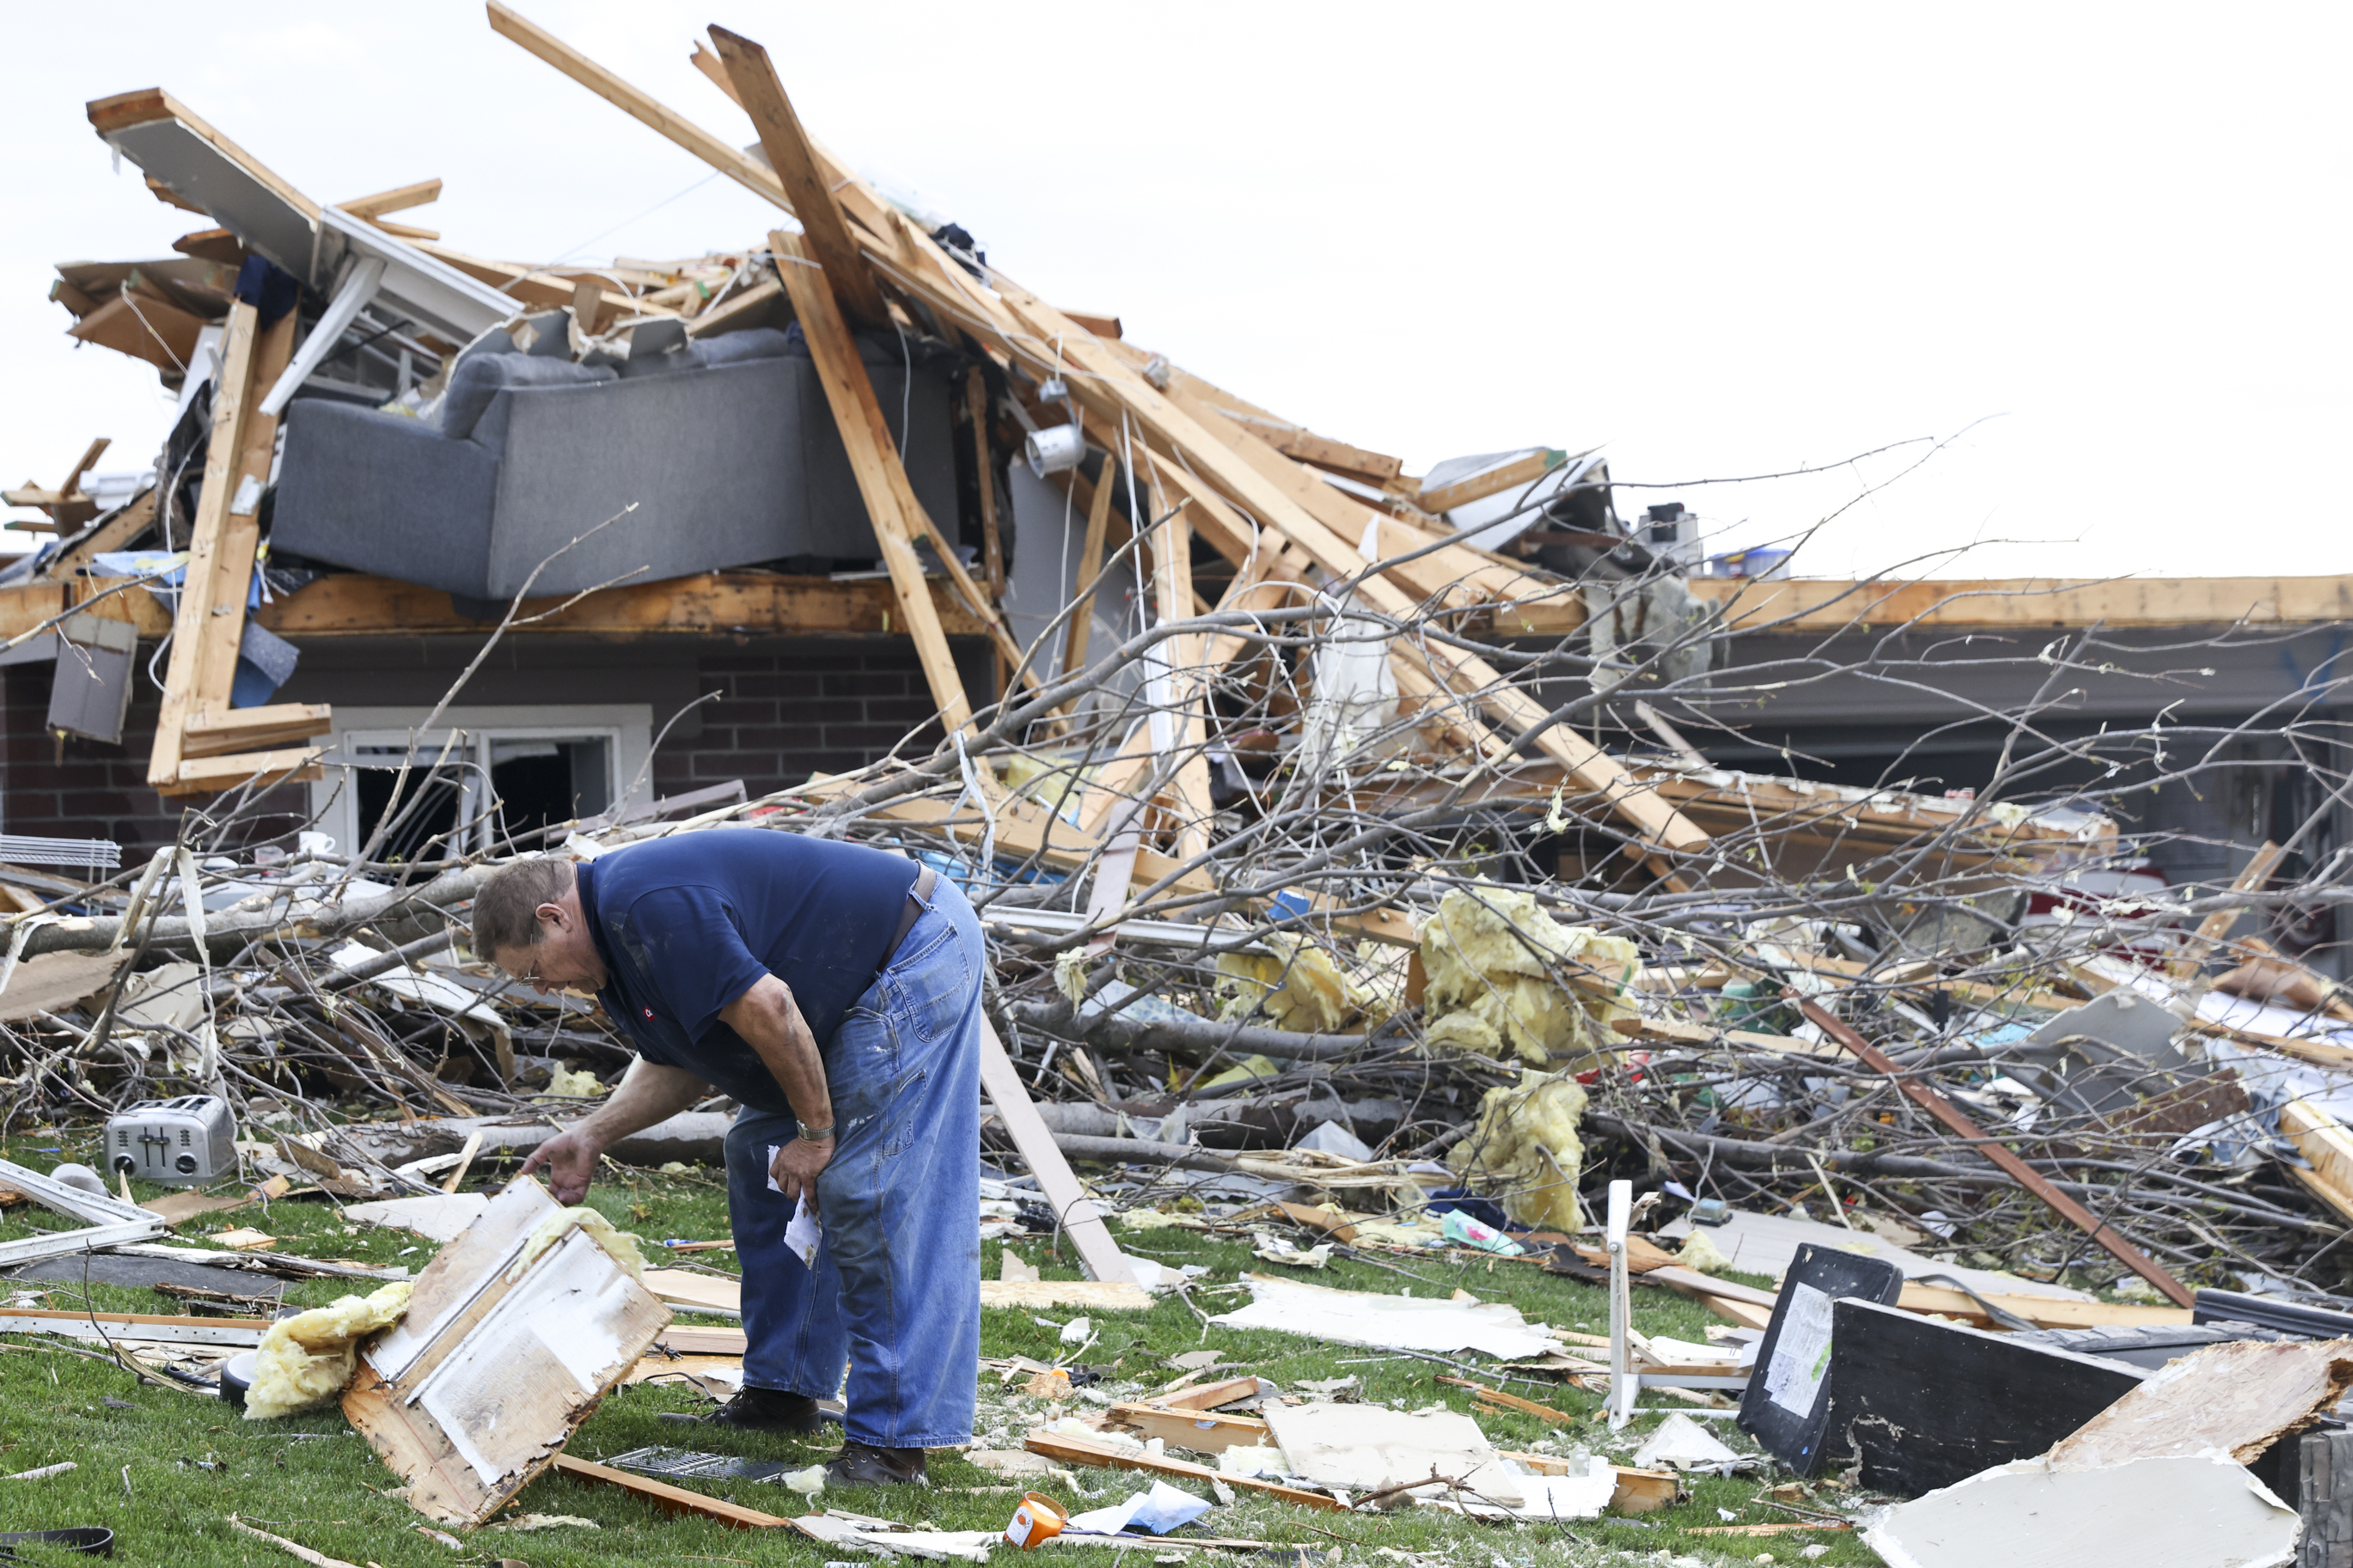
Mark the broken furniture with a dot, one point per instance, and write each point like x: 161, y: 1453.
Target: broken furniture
x: 724, y: 444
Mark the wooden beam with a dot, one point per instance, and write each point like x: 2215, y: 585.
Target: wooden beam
x: 185, y: 687
x: 975, y: 398
x: 741, y: 167
x: 1807, y: 607
x: 1081, y: 628
x: 671, y: 1499
x: 1106, y: 1456
x: 210, y: 622
x: 1080, y: 1219
x: 210, y: 775
x: 874, y: 459
x: 219, y: 733
x: 539, y: 288
x: 1494, y: 481
x: 1024, y: 831
x: 823, y: 228
x: 117, y: 532
x: 2215, y: 926
x: 400, y: 198
x: 754, y: 302
x: 2320, y: 1139
x: 746, y: 604
x: 1102, y: 323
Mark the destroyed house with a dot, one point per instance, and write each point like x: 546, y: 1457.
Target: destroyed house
x: 781, y: 511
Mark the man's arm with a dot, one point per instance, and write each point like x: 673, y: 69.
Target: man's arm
x: 648, y: 1093
x: 770, y: 1022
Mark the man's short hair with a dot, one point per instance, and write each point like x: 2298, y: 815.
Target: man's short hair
x: 504, y: 908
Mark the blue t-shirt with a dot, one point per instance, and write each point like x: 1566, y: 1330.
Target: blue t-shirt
x: 689, y: 924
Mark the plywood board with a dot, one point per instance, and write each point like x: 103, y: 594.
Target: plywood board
x: 499, y: 1359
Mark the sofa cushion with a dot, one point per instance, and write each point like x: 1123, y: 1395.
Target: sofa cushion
x: 480, y: 377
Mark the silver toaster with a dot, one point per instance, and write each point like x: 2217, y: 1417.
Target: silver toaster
x: 187, y: 1140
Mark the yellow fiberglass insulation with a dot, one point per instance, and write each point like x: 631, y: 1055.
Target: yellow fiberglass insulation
x: 1526, y: 1152
x: 1301, y: 988
x: 1493, y: 955
x: 305, y: 1359
x: 563, y: 1222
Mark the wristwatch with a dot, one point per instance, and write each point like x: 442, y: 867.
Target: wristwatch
x: 814, y: 1134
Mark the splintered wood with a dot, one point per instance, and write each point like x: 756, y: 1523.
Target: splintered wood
x: 505, y: 1349
x: 2237, y: 1399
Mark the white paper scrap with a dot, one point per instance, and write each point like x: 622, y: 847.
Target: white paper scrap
x: 1801, y: 1356
x: 1159, y: 1510
x: 804, y: 1231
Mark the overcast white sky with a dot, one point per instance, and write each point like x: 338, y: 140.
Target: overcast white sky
x: 2101, y: 249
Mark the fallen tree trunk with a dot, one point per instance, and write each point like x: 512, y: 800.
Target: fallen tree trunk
x: 692, y: 1137
x: 228, y: 931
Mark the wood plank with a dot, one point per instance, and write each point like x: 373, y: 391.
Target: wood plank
x: 872, y: 454
x: 671, y: 1499
x: 1095, y: 1295
x: 697, y: 1339
x: 1807, y: 607
x: 743, y: 603
x: 1198, y: 1430
x: 218, y: 629
x: 1104, y: 1455
x: 2042, y: 1311
x: 2319, y: 1138
x: 1494, y: 481
x: 216, y: 732
x: 1080, y: 630
x: 823, y: 228
x: 976, y: 396
x: 184, y: 685
x: 755, y: 302
x: 115, y: 533
x: 1080, y: 1220
x: 741, y: 167
x: 210, y: 775
x: 400, y: 198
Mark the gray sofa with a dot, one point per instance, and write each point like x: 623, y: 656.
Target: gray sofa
x: 726, y: 444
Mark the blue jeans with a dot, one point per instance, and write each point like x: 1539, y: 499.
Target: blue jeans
x: 895, y: 1289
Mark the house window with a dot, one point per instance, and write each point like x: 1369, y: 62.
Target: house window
x: 481, y: 778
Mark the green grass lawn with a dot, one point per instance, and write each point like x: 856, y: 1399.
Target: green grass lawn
x: 163, y: 1469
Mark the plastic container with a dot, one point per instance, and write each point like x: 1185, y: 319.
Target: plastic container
x: 236, y: 1377
x: 1039, y: 1519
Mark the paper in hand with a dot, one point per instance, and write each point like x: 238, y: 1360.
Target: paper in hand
x: 804, y: 1231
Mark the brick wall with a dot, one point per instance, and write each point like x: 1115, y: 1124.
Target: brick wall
x: 792, y: 709
x: 90, y: 790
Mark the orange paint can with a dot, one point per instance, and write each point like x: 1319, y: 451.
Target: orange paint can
x: 1040, y: 1518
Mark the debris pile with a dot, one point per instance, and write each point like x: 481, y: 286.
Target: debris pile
x: 1331, y: 909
